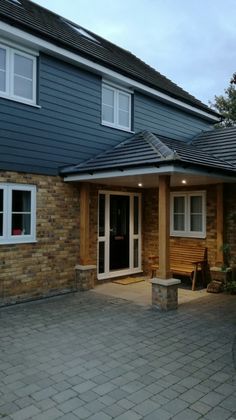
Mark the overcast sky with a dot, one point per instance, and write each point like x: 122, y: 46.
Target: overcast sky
x: 192, y: 42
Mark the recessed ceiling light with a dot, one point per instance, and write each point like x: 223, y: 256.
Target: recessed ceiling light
x: 184, y: 181
x: 140, y: 184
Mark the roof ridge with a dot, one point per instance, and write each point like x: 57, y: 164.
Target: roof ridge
x: 159, y: 147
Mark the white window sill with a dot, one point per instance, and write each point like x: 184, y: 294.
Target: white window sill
x: 17, y: 242
x: 127, y: 130
x: 188, y: 235
x: 21, y: 101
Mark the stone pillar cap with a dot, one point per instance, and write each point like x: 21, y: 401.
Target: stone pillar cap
x: 165, y: 282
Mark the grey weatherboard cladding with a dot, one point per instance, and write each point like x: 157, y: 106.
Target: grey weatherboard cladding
x: 67, y: 129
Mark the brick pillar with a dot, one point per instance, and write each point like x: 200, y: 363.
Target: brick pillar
x: 85, y: 276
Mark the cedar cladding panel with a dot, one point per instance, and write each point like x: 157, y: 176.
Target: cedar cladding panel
x: 150, y: 228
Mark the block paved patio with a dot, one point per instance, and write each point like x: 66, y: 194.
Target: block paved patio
x: 96, y: 357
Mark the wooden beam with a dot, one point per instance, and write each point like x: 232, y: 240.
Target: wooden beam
x: 219, y: 224
x: 84, y: 224
x: 164, y: 227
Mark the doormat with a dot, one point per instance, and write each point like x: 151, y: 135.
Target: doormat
x: 129, y: 280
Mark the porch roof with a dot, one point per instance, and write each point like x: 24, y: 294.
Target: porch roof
x: 148, y: 149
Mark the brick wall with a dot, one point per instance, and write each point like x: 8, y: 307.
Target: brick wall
x: 46, y: 267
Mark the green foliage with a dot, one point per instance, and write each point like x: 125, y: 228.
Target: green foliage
x: 226, y: 105
x: 231, y: 287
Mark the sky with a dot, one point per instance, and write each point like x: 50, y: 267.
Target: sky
x: 192, y: 42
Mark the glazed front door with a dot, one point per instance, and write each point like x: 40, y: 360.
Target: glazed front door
x: 119, y: 231
x: 119, y: 234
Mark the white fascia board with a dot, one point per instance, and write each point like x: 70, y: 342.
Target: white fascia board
x: 9, y: 32
x: 162, y: 170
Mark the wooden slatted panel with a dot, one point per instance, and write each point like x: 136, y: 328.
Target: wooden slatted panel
x: 182, y: 257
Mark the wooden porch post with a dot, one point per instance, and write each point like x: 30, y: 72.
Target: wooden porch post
x: 164, y: 227
x: 219, y: 225
x: 84, y: 224
x: 85, y: 272
x: 164, y: 287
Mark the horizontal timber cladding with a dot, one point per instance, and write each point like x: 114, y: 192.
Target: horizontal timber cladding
x: 164, y: 120
x: 150, y: 228
x: 46, y: 267
x: 67, y: 128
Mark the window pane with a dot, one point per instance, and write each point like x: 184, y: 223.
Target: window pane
x: 179, y: 222
x: 101, y: 215
x: 196, y: 204
x: 1, y: 224
x: 23, y: 66
x: 123, y: 118
x: 136, y: 253
x: 21, y: 224
x: 107, y: 114
x: 2, y: 69
x: 23, y: 87
x: 123, y: 102
x: 21, y: 201
x: 136, y: 215
x: 1, y: 200
x: 101, y: 262
x: 179, y: 204
x: 196, y: 223
x: 108, y: 96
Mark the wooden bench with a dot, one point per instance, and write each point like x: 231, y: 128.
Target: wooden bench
x: 187, y: 261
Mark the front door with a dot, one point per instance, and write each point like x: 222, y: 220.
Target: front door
x: 119, y: 231
x: 119, y: 234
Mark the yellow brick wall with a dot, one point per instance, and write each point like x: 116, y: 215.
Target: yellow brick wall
x: 47, y: 266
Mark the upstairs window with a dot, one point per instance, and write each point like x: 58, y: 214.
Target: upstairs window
x: 17, y: 213
x: 116, y: 108
x: 17, y: 75
x: 188, y: 214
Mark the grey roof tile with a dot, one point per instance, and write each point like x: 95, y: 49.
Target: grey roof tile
x: 219, y: 142
x: 50, y: 26
x: 145, y: 148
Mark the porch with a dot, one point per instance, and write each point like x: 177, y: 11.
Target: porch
x: 141, y: 293
x: 141, y: 200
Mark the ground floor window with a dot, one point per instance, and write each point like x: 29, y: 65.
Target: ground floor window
x: 17, y: 213
x: 119, y: 234
x: 188, y: 214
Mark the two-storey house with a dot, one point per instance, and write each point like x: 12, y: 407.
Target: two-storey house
x: 94, y: 145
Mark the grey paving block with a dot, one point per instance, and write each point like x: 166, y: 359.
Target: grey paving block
x: 137, y: 359
x: 187, y: 414
x: 158, y: 414
x: 26, y: 413
x: 218, y: 413
x: 212, y: 398
x: 175, y: 406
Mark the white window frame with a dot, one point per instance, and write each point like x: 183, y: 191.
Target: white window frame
x: 7, y: 237
x: 9, y: 93
x: 187, y: 215
x: 116, y: 92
